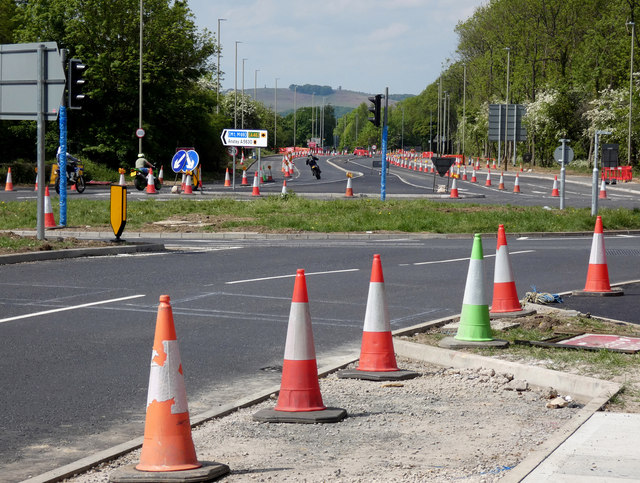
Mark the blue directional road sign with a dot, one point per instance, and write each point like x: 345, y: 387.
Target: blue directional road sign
x: 179, y: 161
x: 250, y: 138
x: 192, y: 160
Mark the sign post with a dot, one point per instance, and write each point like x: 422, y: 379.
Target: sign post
x: 563, y: 155
x: 385, y: 133
x: 594, y: 181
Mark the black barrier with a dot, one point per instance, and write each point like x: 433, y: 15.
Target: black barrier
x: 443, y: 164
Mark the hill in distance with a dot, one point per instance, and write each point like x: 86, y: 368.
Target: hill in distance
x: 341, y: 99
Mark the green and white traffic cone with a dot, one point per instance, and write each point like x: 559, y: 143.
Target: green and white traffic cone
x: 475, y: 325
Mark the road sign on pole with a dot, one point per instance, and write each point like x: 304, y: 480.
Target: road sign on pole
x: 252, y: 138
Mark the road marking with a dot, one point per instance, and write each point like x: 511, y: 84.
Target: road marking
x: 467, y: 258
x: 63, y: 309
x: 290, y: 276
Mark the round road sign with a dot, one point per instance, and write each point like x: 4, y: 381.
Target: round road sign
x: 140, y: 133
x: 179, y: 160
x: 232, y: 150
x: 557, y: 154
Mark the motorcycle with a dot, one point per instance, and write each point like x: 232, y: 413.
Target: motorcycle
x: 74, y: 177
x: 140, y: 179
x: 315, y: 169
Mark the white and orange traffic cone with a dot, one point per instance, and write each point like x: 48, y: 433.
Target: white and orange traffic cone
x: 377, y: 356
x: 300, y: 400
x: 488, y: 182
x: 505, y: 296
x: 474, y: 179
x: 554, y: 191
x: 603, y: 191
x: 9, y: 184
x: 188, y: 185
x: 284, y: 188
x: 269, y: 175
x: 454, y: 189
x: 464, y: 173
x: 245, y: 181
x: 161, y: 174
x: 151, y: 183
x: 349, y: 191
x: 227, y: 179
x: 49, y: 220
x: 256, y: 185
x: 168, y: 446
x: 501, y: 182
x: 598, y: 272
x: 122, y: 181
x: 516, y: 184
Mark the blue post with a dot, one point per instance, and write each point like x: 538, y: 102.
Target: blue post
x: 62, y: 165
x: 383, y: 174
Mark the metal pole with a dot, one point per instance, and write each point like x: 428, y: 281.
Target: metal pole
x: 633, y: 26
x: 235, y: 92
x: 40, y: 154
x: 438, y: 116
x: 596, y: 175
x: 464, y: 104
x: 563, y: 170
x: 515, y: 116
x: 506, y: 127
x: 218, y: 70
x: 402, y: 137
x: 140, y: 80
x: 295, y: 112
x: 243, y: 103
x: 275, y: 118
x: 62, y: 165
x: 430, y: 127
x: 255, y: 85
x: 385, y: 133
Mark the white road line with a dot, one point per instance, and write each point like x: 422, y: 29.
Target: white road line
x: 289, y: 276
x: 468, y: 258
x: 63, y: 309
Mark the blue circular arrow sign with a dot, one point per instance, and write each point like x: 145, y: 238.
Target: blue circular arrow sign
x: 192, y: 160
x: 179, y: 161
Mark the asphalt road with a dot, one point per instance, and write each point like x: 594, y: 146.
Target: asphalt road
x: 77, y: 373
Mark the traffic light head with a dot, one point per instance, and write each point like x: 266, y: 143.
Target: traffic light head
x: 375, y: 109
x: 76, y: 83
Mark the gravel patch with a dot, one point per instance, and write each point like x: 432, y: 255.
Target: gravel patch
x: 447, y: 424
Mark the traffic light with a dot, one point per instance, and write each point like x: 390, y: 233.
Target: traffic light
x: 375, y: 109
x: 76, y: 83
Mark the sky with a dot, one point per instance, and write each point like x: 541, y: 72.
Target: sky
x: 360, y: 45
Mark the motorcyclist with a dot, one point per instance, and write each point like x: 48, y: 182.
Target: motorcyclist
x: 142, y: 164
x: 72, y: 162
x: 313, y: 161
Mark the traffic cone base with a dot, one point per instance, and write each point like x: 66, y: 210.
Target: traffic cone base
x: 300, y: 389
x: 475, y: 324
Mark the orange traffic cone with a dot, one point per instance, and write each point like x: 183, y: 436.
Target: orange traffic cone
x: 554, y: 191
x: 300, y: 400
x: 168, y: 447
x: 349, y: 192
x: 270, y: 175
x: 245, y: 181
x: 474, y: 179
x: 505, y: 296
x: 516, y: 185
x: 464, y: 173
x: 183, y: 183
x: 377, y: 356
x: 488, y: 182
x: 598, y: 272
x: 161, y: 174
x: 501, y: 182
x: 151, y: 183
x: 49, y: 220
x: 227, y: 180
x: 188, y: 185
x: 284, y: 187
x: 454, y: 189
x: 122, y: 181
x: 9, y: 184
x: 256, y: 185
x: 603, y: 191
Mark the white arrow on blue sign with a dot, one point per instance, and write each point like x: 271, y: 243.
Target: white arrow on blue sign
x: 192, y: 160
x: 179, y: 160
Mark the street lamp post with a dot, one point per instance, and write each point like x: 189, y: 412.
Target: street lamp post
x: 218, y: 70
x: 506, y: 115
x: 295, y: 112
x: 243, y: 103
x: 235, y: 91
x: 464, y: 104
x: 255, y: 84
x: 275, y: 118
x: 402, y: 135
x: 140, y: 80
x: 633, y: 26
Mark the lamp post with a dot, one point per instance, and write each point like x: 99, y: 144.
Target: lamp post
x: 140, y: 80
x: 243, y: 103
x: 275, y: 118
x: 295, y: 113
x: 402, y: 135
x: 464, y: 104
x: 255, y: 84
x: 235, y: 90
x: 218, y: 70
x: 633, y: 26
x: 506, y: 115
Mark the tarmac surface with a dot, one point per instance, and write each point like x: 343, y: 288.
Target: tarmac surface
x: 603, y: 448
